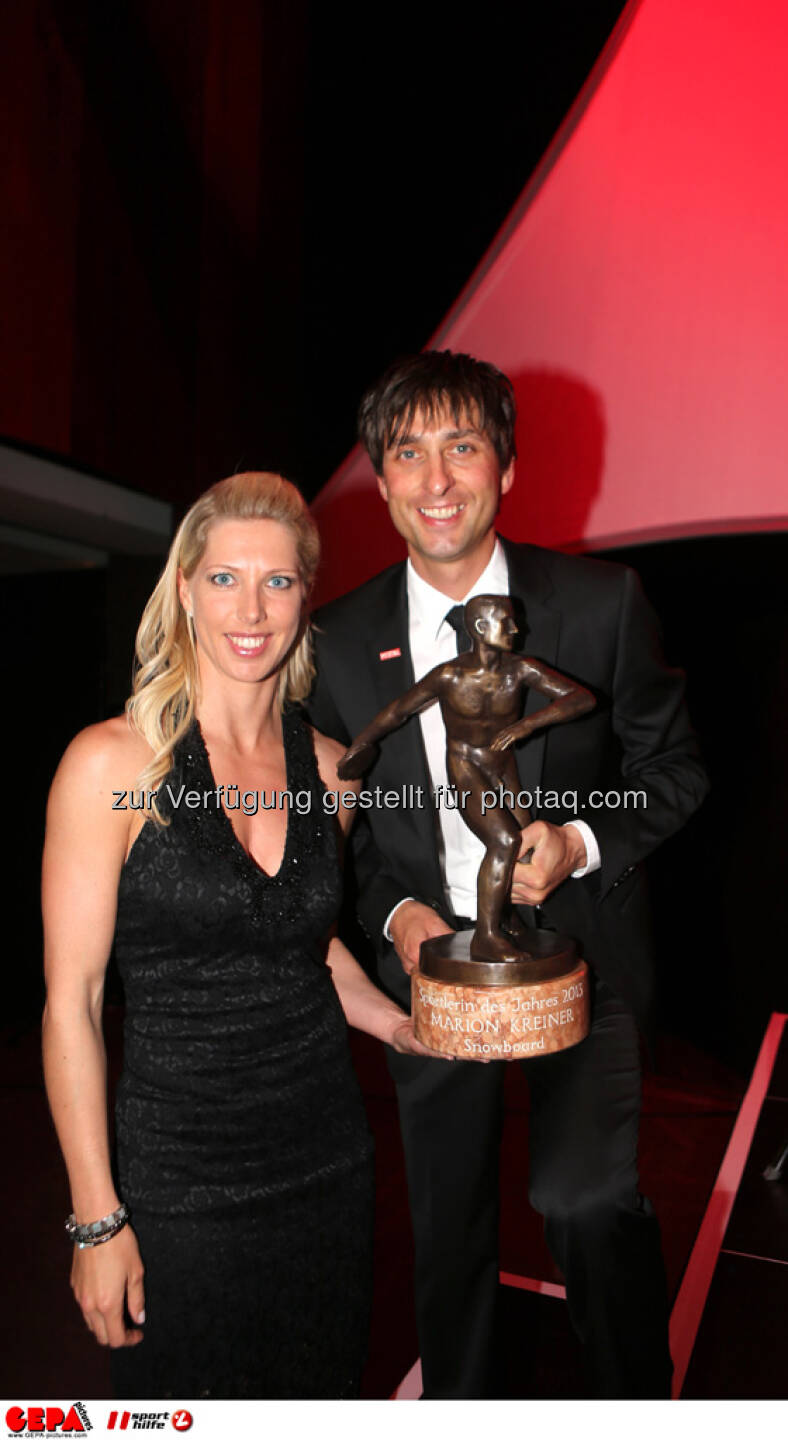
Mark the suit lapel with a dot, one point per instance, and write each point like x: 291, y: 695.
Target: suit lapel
x: 406, y: 760
x: 393, y: 675
x: 390, y: 660
x: 529, y: 581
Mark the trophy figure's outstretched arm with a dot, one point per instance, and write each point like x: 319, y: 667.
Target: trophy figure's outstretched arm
x: 360, y: 754
x: 569, y: 701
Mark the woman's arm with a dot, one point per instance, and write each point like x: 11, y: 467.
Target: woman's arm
x: 85, y: 847
x: 367, y: 1008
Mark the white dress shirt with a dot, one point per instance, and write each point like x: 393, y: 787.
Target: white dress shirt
x: 432, y: 640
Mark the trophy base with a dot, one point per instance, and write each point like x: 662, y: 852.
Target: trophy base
x: 500, y: 1010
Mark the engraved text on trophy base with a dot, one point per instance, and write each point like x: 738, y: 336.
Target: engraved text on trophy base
x: 504, y: 1022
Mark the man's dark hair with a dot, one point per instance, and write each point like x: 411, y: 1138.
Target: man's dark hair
x: 431, y: 382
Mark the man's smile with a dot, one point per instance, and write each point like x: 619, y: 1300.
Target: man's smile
x: 440, y: 512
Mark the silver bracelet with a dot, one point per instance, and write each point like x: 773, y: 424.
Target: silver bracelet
x: 99, y: 1230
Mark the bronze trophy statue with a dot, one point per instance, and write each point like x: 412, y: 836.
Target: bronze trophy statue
x: 504, y: 990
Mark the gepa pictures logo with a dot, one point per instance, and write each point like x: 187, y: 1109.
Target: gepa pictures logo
x: 46, y: 1420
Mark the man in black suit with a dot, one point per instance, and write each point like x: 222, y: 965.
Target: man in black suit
x: 605, y: 791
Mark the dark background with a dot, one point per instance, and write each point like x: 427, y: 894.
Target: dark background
x: 224, y: 219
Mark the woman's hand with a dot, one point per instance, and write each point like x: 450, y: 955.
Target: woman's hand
x: 403, y: 1040
x: 368, y: 1009
x: 102, y: 1278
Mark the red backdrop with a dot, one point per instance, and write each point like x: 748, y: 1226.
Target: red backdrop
x: 638, y: 298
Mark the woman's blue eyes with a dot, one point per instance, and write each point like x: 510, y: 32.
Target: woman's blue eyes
x: 223, y: 579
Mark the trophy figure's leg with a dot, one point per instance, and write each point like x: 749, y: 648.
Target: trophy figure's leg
x: 489, y: 941
x: 499, y: 831
x: 512, y: 923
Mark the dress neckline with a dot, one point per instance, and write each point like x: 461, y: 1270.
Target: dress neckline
x: 224, y: 818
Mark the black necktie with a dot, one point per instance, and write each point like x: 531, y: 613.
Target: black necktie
x: 454, y: 618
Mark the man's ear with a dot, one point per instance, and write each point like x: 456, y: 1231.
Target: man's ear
x: 383, y: 488
x: 507, y: 478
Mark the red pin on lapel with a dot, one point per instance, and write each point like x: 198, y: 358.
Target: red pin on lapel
x: 391, y: 654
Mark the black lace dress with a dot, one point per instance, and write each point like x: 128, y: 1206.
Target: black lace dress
x: 243, y: 1149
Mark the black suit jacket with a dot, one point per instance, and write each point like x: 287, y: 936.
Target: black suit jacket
x: 590, y: 620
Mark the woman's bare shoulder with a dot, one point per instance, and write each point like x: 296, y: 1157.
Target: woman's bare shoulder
x: 109, y: 754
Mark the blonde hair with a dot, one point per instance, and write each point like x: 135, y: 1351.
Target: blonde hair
x: 162, y: 704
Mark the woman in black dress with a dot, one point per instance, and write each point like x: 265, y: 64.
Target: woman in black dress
x: 231, y: 1254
